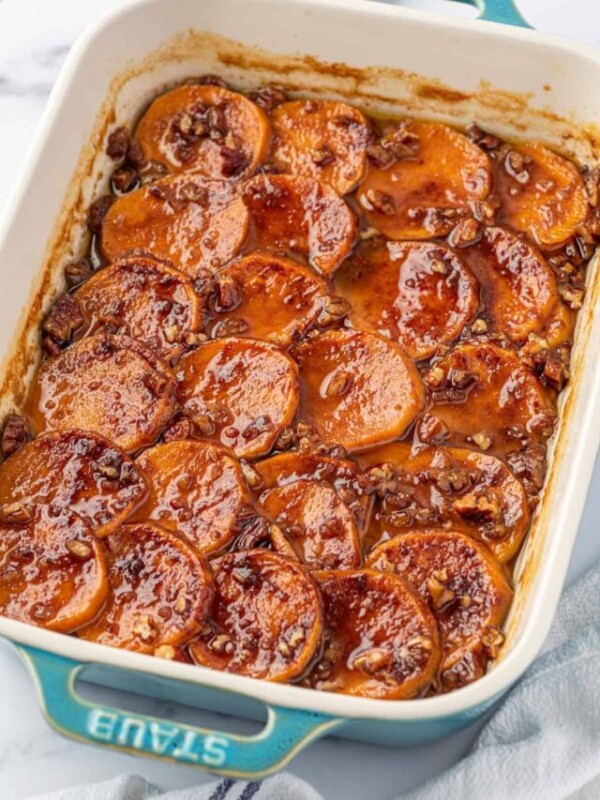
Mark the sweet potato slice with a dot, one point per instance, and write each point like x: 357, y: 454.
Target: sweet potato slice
x: 519, y: 289
x: 291, y: 214
x: 52, y: 568
x: 464, y: 588
x: 470, y: 491
x: 196, y: 489
x: 487, y: 397
x: 339, y: 473
x: 322, y: 139
x: 149, y: 300
x: 206, y: 129
x: 112, y: 385
x: 162, y: 591
x: 318, y: 525
x: 380, y: 638
x: 240, y: 392
x: 358, y: 389
x: 542, y: 194
x: 78, y: 471
x: 267, y: 620
x: 426, y: 193
x: 268, y: 298
x: 418, y: 293
x: 193, y: 223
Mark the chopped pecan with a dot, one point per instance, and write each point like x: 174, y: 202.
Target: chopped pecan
x: 212, y: 80
x: 98, y: 211
x: 453, y: 480
x: 382, y: 478
x: 234, y: 161
x: 465, y: 233
x: 14, y: 513
x: 268, y: 97
x: 530, y: 466
x: 591, y: 179
x: 476, y: 509
x: 486, y: 140
x: 572, y: 297
x: 123, y: 180
x: 431, y: 429
x: 334, y: 309
x: 322, y: 155
x: 15, y: 433
x: 63, y: 319
x: 79, y: 549
x: 229, y: 293
x: 77, y: 272
x: 382, y: 203
x: 482, y: 440
x: 515, y: 164
x: 230, y: 327
x: 338, y: 384
x: 181, y: 428
x: 118, y: 143
x: 135, y: 154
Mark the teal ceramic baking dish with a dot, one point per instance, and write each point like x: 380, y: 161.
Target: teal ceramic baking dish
x: 507, y: 78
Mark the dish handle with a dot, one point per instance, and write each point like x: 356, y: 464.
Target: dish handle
x: 286, y: 732
x: 504, y: 11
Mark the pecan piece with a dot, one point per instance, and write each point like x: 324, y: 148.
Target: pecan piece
x: 16, y: 432
x: 117, y: 143
x: 268, y: 97
x: 98, y: 211
x: 63, y: 319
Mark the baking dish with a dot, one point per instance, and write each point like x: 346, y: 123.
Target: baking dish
x: 514, y: 82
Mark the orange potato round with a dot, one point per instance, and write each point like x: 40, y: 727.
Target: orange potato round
x: 473, y: 492
x: 193, y: 223
x: 152, y: 302
x: 111, y: 385
x: 196, y: 489
x: 240, y: 392
x: 293, y: 214
x: 322, y: 139
x: 358, y: 389
x: 542, y: 194
x: 417, y: 293
x: 426, y: 195
x: 267, y: 620
x: 318, y: 525
x: 519, y: 289
x: 380, y: 638
x: 485, y: 395
x: 463, y: 586
x: 161, y: 591
x: 275, y: 299
x: 339, y: 473
x: 206, y: 129
x: 78, y: 471
x: 52, y: 568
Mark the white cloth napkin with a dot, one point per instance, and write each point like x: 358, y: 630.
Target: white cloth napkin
x: 542, y: 743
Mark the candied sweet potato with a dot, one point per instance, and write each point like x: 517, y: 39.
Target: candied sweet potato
x: 322, y: 139
x: 240, y: 392
x: 154, y: 303
x: 519, y: 289
x: 542, y: 194
x: 425, y: 193
x: 197, y: 489
x: 292, y: 214
x: 472, y: 492
x: 52, y: 568
x: 267, y: 620
x: 380, y: 638
x: 318, y: 525
x: 193, y: 223
x: 340, y: 473
x: 464, y: 587
x: 358, y: 389
x: 419, y: 294
x: 161, y: 591
x: 205, y: 129
x: 75, y: 470
x: 269, y: 298
x: 111, y: 385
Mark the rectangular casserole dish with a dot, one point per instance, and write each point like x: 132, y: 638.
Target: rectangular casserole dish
x: 516, y: 83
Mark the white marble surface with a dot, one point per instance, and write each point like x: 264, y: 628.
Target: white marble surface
x: 35, y: 36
